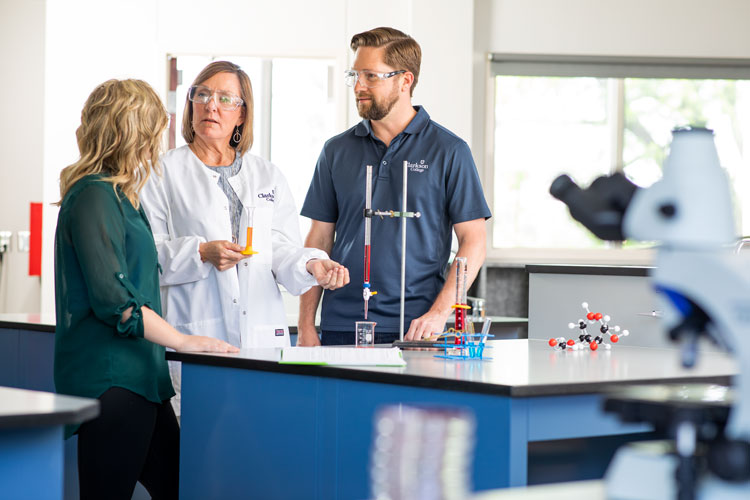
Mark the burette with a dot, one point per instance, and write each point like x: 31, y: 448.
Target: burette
x: 367, y: 291
x: 461, y: 305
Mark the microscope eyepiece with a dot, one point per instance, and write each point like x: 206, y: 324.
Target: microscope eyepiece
x: 562, y: 186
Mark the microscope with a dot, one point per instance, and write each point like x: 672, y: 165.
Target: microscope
x: 703, y: 287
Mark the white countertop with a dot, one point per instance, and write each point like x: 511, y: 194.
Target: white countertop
x: 23, y: 408
x: 518, y: 367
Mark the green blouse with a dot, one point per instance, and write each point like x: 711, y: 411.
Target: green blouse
x: 105, y: 262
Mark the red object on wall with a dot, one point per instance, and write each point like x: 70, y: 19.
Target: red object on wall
x: 35, y: 240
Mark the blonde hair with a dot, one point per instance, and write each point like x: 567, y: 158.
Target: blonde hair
x: 120, y: 137
x: 246, y: 93
x: 401, y: 50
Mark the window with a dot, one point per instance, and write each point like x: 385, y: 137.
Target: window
x: 294, y: 111
x: 592, y: 116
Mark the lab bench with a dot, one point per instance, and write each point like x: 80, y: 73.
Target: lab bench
x: 252, y: 426
x: 31, y: 440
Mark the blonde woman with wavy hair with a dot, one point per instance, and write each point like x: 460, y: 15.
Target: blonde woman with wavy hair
x: 120, y: 133
x: 109, y: 335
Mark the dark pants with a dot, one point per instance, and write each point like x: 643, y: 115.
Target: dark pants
x: 347, y: 338
x: 132, y: 440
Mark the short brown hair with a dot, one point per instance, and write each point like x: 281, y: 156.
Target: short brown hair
x: 401, y: 50
x: 246, y: 91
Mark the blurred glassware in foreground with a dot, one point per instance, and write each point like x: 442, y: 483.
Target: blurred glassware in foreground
x: 422, y: 452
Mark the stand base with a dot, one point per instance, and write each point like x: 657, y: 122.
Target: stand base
x: 648, y: 470
x: 642, y: 471
x: 645, y: 471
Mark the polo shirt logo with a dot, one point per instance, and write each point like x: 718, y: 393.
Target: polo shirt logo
x: 267, y: 196
x: 418, y: 167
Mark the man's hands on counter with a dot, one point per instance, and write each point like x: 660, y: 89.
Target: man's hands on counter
x: 430, y: 323
x: 307, y: 336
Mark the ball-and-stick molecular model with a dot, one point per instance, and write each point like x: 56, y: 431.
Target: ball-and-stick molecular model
x: 585, y: 339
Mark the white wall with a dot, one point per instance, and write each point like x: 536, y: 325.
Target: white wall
x: 690, y: 28
x: 445, y: 30
x: 87, y: 42
x: 22, y: 34
x: 62, y: 49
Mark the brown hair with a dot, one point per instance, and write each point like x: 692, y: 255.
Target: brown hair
x: 120, y: 136
x: 246, y: 91
x: 401, y: 50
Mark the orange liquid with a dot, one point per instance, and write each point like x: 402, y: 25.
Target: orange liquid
x: 249, y: 245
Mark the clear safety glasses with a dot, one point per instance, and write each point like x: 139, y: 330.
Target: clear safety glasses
x: 225, y: 100
x: 368, y: 79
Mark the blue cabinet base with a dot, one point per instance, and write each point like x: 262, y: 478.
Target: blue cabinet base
x: 31, y: 463
x: 262, y: 434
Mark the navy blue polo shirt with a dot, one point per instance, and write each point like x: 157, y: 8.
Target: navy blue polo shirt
x: 443, y: 184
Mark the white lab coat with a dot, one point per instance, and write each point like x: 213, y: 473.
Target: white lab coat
x: 242, y: 305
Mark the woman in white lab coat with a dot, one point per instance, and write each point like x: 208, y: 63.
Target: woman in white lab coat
x: 211, y: 191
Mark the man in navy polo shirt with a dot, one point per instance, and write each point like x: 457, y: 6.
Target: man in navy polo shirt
x: 443, y: 185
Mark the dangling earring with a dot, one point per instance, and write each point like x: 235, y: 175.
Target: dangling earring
x: 237, y: 136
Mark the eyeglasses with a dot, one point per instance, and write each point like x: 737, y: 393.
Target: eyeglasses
x: 367, y: 79
x: 225, y: 100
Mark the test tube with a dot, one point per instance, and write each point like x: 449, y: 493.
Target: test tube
x: 249, y: 243
x: 461, y: 277
x: 461, y: 306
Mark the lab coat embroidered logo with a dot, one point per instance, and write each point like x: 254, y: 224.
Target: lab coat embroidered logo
x: 268, y: 196
x: 418, y: 167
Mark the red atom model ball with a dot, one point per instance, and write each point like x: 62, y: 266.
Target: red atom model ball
x: 552, y: 342
x: 598, y: 316
x: 571, y: 342
x: 590, y: 316
x: 614, y: 338
x: 594, y: 346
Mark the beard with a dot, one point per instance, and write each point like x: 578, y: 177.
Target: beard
x: 377, y: 109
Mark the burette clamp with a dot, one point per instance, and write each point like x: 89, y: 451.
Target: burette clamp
x: 394, y: 214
